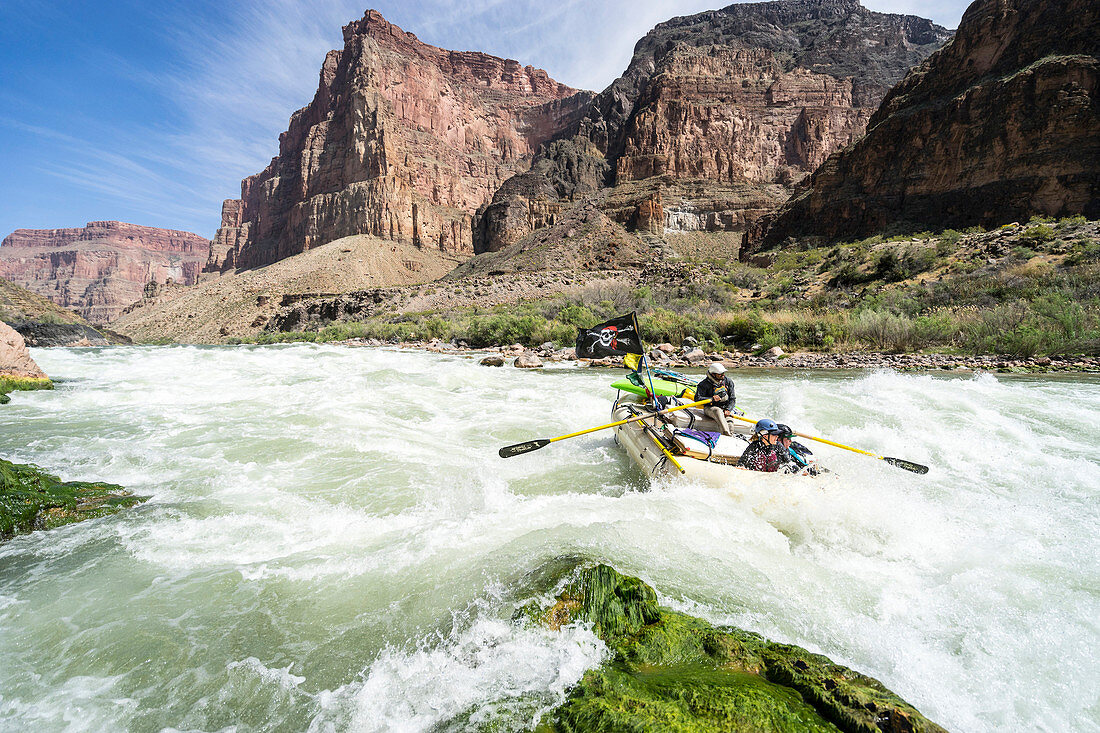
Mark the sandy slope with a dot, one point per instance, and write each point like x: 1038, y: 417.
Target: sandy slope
x: 20, y: 304
x: 237, y: 304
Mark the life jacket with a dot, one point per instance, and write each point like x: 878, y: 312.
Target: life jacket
x: 760, y: 456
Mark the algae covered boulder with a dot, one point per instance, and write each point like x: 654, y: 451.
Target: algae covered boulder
x: 32, y: 499
x: 673, y: 672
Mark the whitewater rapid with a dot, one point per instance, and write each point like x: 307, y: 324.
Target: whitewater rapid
x: 332, y: 542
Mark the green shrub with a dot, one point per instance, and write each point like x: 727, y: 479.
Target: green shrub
x: 744, y: 327
x: 577, y: 316
x: 1071, y: 221
x: 1069, y: 316
x: 665, y: 325
x: 883, y: 330
x: 1037, y: 235
x: 848, y: 274
x: 948, y: 239
x: 504, y: 328
x: 1085, y: 251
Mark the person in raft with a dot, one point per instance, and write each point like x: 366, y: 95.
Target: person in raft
x: 719, y: 388
x: 792, y: 456
x: 763, y: 453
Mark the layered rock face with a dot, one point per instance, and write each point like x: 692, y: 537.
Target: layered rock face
x: 746, y: 100
x: 403, y: 141
x: 99, y: 270
x: 41, y: 322
x: 1001, y: 125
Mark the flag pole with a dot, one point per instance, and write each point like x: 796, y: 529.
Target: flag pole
x: 645, y: 361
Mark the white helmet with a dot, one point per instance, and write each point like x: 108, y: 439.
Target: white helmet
x: 716, y: 368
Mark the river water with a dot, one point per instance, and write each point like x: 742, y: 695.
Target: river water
x: 333, y: 544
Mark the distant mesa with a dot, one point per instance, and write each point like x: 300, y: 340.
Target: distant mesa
x: 1001, y: 125
x: 103, y: 267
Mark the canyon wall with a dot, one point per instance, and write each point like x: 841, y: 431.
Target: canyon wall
x: 101, y: 268
x: 1000, y: 125
x: 720, y: 114
x: 403, y: 141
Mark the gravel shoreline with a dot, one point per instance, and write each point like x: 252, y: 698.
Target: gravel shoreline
x: 669, y: 357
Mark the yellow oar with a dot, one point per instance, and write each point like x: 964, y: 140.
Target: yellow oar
x: 519, y: 448
x: 899, y: 462
x: 651, y: 433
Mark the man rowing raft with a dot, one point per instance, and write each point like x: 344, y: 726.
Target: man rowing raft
x: 718, y: 387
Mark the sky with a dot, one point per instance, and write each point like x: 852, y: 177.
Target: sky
x: 152, y: 112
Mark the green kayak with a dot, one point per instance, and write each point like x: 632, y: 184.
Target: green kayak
x: 661, y: 387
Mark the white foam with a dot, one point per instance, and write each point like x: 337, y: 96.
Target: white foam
x: 491, y: 671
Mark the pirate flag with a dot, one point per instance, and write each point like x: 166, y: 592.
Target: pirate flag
x: 616, y: 337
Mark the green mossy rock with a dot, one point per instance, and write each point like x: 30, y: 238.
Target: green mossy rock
x: 673, y: 672
x: 32, y: 499
x: 9, y: 383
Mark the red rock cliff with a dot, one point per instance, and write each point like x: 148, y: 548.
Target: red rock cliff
x: 1002, y: 124
x: 728, y: 108
x: 102, y: 268
x: 403, y: 141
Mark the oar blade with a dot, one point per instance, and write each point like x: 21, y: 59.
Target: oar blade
x: 520, y: 448
x: 907, y: 465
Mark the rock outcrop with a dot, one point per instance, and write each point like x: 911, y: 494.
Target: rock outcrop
x: 717, y: 116
x: 403, y: 141
x: 35, y: 500
x: 671, y: 671
x: 15, y: 361
x: 1000, y: 125
x: 102, y: 268
x: 41, y: 322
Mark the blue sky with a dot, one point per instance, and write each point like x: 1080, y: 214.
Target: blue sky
x: 152, y: 112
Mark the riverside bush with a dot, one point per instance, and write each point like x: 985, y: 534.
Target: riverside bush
x: 665, y: 325
x: 884, y: 330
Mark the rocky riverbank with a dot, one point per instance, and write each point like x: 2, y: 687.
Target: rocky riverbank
x: 31, y: 499
x: 671, y: 671
x: 690, y: 356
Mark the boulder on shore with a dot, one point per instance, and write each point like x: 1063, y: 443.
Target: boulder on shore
x: 15, y: 360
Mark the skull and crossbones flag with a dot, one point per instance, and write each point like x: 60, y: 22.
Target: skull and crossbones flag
x: 616, y: 337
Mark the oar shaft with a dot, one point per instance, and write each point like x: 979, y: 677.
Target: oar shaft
x: 630, y: 419
x: 652, y: 434
x: 819, y: 440
x: 839, y: 445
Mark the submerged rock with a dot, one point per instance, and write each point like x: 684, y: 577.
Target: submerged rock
x: 671, y: 671
x: 32, y: 499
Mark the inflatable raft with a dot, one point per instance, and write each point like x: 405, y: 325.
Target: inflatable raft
x: 646, y: 442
